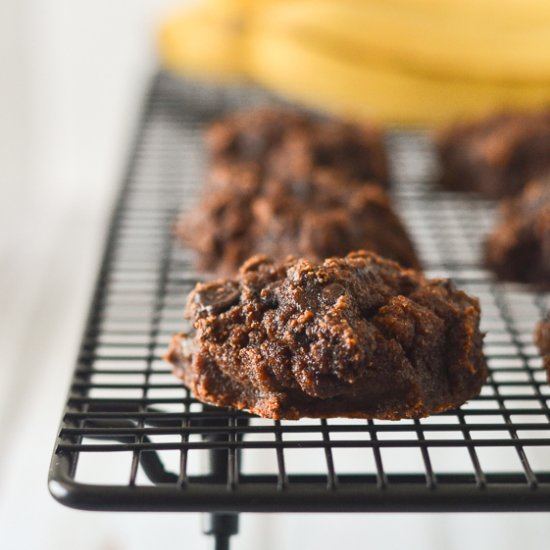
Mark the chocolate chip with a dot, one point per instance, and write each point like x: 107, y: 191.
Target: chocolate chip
x: 216, y: 299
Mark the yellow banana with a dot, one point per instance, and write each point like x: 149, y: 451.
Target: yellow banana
x: 370, y: 58
x: 240, y: 8
x: 499, y: 12
x: 423, y: 41
x: 345, y: 85
x: 203, y: 44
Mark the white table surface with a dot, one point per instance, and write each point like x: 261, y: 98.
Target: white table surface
x: 71, y: 78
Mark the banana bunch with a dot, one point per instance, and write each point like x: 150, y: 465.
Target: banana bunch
x: 408, y: 62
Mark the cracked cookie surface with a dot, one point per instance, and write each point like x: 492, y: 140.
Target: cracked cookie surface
x: 243, y: 213
x: 518, y: 248
x: 355, y: 337
x: 495, y: 156
x: 289, y: 144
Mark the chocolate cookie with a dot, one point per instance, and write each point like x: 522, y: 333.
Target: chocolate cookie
x: 356, y: 152
x: 290, y: 144
x: 356, y: 337
x: 244, y: 212
x: 542, y: 339
x: 251, y: 135
x: 497, y: 155
x: 518, y: 249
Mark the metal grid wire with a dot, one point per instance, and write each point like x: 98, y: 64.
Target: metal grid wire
x: 132, y: 438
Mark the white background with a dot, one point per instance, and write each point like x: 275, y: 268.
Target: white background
x: 72, y: 74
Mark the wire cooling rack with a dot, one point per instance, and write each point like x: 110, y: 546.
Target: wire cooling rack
x: 132, y: 438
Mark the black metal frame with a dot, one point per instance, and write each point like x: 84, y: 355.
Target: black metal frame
x: 137, y: 305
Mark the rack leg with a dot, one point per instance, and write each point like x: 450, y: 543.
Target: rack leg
x: 221, y: 527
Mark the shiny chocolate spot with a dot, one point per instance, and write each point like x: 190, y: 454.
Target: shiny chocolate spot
x: 216, y: 299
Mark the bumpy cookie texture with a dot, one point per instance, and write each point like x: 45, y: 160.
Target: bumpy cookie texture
x: 244, y: 212
x: 289, y: 144
x: 495, y: 156
x: 251, y: 135
x: 356, y: 337
x: 518, y: 249
x: 355, y: 151
x: 542, y: 339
